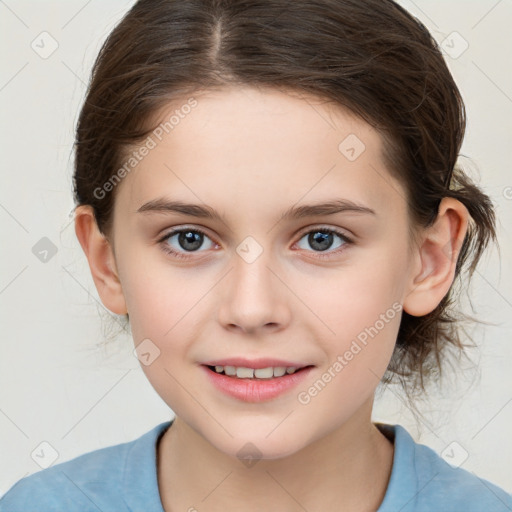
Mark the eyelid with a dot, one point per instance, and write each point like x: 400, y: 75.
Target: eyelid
x: 179, y: 255
x: 301, y: 232
x: 323, y: 227
x: 177, y: 229
x: 340, y: 232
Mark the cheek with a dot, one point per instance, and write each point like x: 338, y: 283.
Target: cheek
x: 363, y: 319
x: 360, y: 308
x: 356, y: 296
x: 165, y: 307
x: 364, y: 325
x: 159, y: 294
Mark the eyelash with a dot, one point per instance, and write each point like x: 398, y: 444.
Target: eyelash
x: 165, y: 247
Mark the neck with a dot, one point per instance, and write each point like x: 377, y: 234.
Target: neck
x: 348, y: 469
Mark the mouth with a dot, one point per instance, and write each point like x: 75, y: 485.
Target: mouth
x: 249, y: 384
x: 267, y: 373
x: 256, y: 379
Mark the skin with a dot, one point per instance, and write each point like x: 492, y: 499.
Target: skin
x: 250, y: 154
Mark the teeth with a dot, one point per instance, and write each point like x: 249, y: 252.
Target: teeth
x: 279, y: 371
x: 264, y: 373
x: 229, y: 370
x: 242, y: 372
x: 245, y: 373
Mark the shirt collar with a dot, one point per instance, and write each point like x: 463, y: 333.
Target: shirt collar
x: 140, y: 481
x: 402, y: 487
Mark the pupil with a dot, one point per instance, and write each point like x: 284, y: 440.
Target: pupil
x: 320, y: 241
x: 185, y: 237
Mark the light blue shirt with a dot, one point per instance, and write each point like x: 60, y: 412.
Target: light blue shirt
x: 123, y: 478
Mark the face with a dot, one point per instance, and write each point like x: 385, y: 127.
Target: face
x: 264, y: 278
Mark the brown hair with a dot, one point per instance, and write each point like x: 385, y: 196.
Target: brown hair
x: 370, y: 56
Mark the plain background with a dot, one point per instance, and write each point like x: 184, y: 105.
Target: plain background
x: 59, y: 386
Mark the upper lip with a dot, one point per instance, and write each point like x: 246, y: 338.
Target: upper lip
x: 254, y: 363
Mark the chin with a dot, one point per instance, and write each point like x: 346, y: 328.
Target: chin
x: 258, y: 446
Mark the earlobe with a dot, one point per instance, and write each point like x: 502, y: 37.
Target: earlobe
x: 436, y: 258
x: 101, y: 260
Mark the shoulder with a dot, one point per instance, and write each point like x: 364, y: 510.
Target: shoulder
x: 77, y: 484
x: 94, y: 481
x: 423, y: 481
x: 457, y: 485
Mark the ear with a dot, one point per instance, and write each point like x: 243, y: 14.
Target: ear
x: 101, y: 260
x: 436, y: 258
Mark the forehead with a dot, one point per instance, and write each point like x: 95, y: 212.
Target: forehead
x: 257, y: 151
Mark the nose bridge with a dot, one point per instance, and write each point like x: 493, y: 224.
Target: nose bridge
x: 253, y: 274
x: 253, y: 297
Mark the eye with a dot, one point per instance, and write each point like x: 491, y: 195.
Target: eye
x: 322, y: 239
x: 185, y: 241
x: 179, y: 242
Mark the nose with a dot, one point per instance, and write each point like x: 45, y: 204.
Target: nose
x: 253, y: 298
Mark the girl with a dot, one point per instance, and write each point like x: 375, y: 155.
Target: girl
x: 268, y: 191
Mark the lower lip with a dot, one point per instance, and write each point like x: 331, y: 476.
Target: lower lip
x: 256, y: 390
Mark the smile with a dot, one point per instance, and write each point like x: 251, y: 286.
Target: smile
x: 242, y: 372
x: 255, y: 384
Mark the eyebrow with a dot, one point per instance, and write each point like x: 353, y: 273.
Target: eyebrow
x: 331, y: 207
